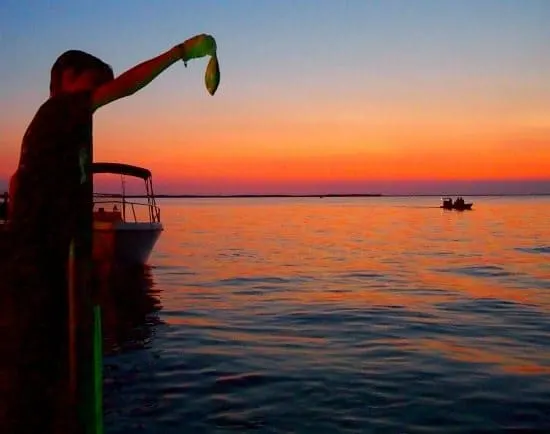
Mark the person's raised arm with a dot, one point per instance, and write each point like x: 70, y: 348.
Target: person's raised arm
x: 140, y: 75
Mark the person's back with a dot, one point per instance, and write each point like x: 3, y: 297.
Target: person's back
x: 48, y: 178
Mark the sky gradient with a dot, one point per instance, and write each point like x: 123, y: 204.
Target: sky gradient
x: 316, y: 96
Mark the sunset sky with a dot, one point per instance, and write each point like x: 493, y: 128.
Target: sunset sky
x: 316, y: 96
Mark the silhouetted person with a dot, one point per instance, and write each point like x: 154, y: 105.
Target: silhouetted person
x: 43, y: 193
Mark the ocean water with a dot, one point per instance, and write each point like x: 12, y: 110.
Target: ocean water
x: 335, y: 315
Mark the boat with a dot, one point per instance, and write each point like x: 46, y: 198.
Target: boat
x: 458, y: 204
x: 124, y: 231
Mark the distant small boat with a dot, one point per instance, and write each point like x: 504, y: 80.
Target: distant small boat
x: 458, y: 204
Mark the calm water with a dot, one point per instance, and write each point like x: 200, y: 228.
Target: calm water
x: 335, y: 315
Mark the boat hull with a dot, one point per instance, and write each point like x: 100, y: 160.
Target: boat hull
x: 126, y: 243
x: 465, y: 207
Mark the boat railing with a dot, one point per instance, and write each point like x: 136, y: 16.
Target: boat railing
x: 122, y: 205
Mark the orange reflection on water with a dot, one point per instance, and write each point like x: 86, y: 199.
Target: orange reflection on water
x: 356, y: 251
x: 192, y: 321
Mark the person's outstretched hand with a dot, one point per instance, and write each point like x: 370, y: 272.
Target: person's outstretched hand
x: 197, y: 46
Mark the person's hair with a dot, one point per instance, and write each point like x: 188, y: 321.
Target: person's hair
x: 79, y: 62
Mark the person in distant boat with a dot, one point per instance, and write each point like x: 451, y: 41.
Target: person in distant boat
x: 46, y: 185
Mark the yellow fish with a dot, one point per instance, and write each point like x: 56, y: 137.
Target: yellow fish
x: 212, y: 75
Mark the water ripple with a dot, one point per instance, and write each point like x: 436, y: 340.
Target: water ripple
x: 479, y: 271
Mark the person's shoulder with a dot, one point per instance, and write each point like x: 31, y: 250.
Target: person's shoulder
x: 53, y: 107
x: 48, y: 111
x: 54, y: 103
x: 58, y: 112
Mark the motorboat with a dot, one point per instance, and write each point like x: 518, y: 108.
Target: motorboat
x: 125, y: 231
x: 458, y: 204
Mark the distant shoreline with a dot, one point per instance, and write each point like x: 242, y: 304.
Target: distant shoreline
x: 255, y: 196
x: 244, y: 196
x: 330, y: 195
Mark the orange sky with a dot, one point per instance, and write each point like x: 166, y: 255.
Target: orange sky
x: 349, y: 143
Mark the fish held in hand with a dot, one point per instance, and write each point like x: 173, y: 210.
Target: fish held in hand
x: 212, y: 75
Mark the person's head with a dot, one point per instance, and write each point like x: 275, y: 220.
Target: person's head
x: 76, y: 70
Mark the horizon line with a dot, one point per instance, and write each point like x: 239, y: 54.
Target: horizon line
x: 244, y: 196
